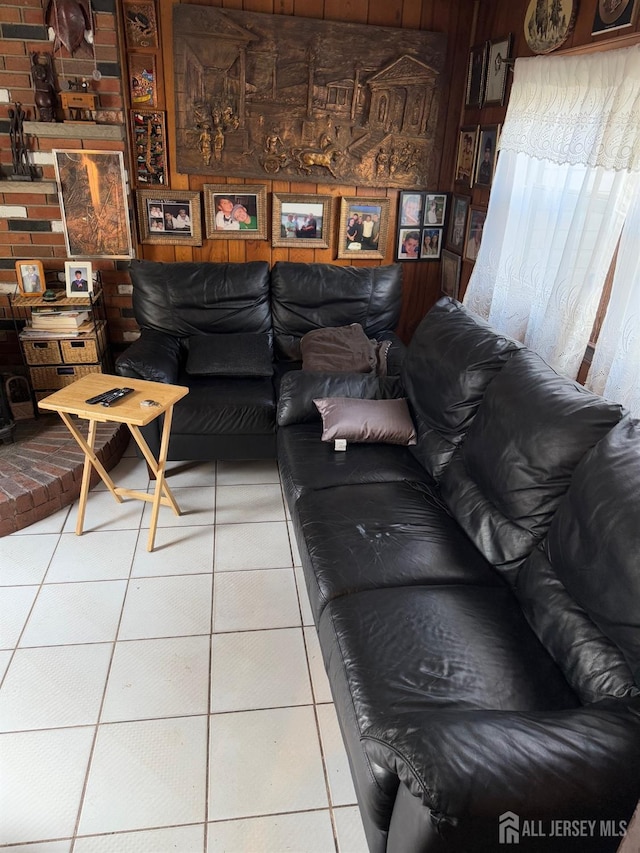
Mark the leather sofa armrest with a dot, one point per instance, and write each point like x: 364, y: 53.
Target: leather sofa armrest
x: 479, y: 764
x: 154, y: 356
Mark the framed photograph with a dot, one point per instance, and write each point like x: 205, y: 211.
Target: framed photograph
x: 435, y: 209
x: 364, y: 226
x: 613, y: 15
x: 487, y: 155
x: 94, y: 202
x: 30, y: 275
x: 143, y: 80
x: 140, y: 23
x: 458, y: 223
x: 497, y: 69
x: 408, y: 244
x: 476, y: 73
x: 149, y: 135
x: 78, y: 277
x: 450, y: 267
x: 303, y: 221
x: 466, y: 159
x: 169, y: 217
x: 475, y: 228
x: 411, y: 209
x: 431, y: 244
x: 236, y: 211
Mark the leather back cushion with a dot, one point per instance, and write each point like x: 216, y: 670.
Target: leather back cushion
x: 505, y: 481
x: 314, y: 296
x: 594, y: 542
x: 185, y: 299
x: 450, y: 361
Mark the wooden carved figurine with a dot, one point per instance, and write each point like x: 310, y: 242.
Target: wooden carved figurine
x: 46, y: 97
x: 22, y: 170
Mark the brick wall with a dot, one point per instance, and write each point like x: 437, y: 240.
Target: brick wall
x: 30, y: 218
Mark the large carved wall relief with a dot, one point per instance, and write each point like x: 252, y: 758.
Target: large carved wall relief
x: 264, y: 95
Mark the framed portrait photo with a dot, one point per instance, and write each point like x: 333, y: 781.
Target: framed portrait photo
x: 364, y: 227
x: 450, y: 267
x: 476, y: 74
x: 487, y: 155
x: 169, y: 217
x: 149, y: 135
x: 466, y: 157
x: 408, y: 244
x: 475, y: 229
x: 235, y: 211
x: 435, y: 209
x: 496, y: 82
x: 30, y: 275
x: 411, y: 209
x: 431, y: 244
x: 458, y: 223
x: 303, y: 221
x: 140, y: 23
x: 613, y: 15
x: 78, y: 278
x: 94, y: 202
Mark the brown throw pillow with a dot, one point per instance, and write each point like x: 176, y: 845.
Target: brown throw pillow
x: 384, y: 421
x: 338, y: 349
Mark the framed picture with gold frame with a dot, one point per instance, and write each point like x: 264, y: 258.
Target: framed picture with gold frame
x: 301, y: 221
x: 140, y: 23
x: 466, y: 157
x: 235, y: 211
x: 169, y: 217
x: 364, y: 227
x: 30, y: 275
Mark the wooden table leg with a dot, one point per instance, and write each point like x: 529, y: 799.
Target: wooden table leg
x: 86, y: 476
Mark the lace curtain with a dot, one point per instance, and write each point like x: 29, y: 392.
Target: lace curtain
x: 568, y: 171
x: 615, y: 369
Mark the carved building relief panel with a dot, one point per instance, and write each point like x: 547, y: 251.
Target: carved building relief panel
x: 264, y: 95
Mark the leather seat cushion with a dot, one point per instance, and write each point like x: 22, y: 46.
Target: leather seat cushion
x: 216, y: 405
x: 307, y: 463
x: 360, y: 537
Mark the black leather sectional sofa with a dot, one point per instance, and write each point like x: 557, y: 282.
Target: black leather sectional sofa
x: 246, y: 322
x: 477, y: 597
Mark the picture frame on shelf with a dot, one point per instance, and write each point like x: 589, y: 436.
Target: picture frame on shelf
x: 431, y: 241
x: 78, y: 278
x: 235, y: 211
x: 458, y: 223
x: 487, y: 155
x: 93, y: 197
x: 466, y: 156
x: 408, y: 244
x: 143, y: 80
x: 497, y: 68
x: 140, y: 23
x: 613, y: 16
x: 149, y: 135
x: 169, y: 217
x: 301, y: 221
x: 450, y: 268
x: 475, y: 229
x: 364, y: 227
x: 30, y: 275
x: 476, y: 75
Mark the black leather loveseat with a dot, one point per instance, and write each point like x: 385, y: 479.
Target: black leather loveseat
x: 477, y: 596
x: 229, y: 331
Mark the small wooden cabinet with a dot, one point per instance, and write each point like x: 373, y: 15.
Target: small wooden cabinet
x: 56, y: 358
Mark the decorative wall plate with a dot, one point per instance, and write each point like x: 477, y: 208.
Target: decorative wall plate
x: 549, y: 23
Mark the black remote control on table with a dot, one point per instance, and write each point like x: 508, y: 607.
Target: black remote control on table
x: 108, y: 397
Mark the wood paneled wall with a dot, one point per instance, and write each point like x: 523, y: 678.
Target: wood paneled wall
x: 455, y: 18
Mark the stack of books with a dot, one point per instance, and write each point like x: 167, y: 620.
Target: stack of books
x: 68, y: 322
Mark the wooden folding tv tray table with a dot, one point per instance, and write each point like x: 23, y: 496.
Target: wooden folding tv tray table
x: 72, y: 400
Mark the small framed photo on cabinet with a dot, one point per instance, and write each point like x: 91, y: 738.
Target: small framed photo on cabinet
x: 30, y: 275
x: 78, y: 277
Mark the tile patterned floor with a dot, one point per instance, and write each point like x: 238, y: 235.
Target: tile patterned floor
x: 172, y: 701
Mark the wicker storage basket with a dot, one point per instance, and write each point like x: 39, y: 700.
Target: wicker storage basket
x: 42, y: 352
x: 19, y: 398
x: 53, y: 378
x: 84, y: 350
